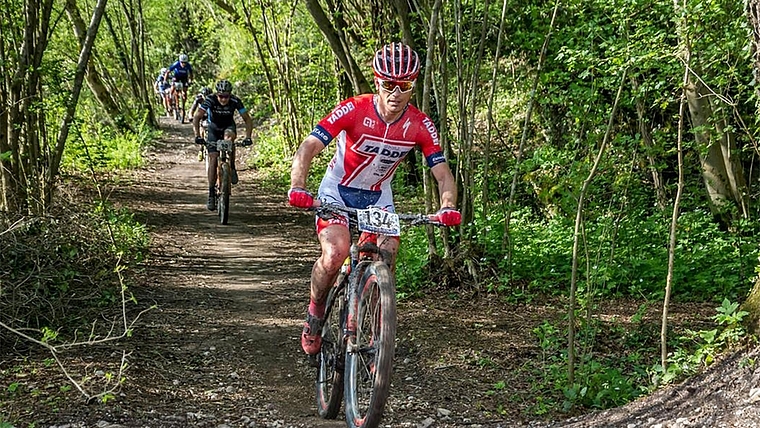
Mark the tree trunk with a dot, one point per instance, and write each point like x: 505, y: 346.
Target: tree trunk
x: 753, y: 14
x: 402, y: 11
x: 21, y: 89
x: 648, y: 141
x: 577, y: 234
x: 134, y: 64
x: 752, y: 305
x: 427, y: 79
x: 94, y: 81
x: 84, y: 57
x: 721, y: 172
x: 361, y: 86
x: 6, y: 174
x: 277, y: 46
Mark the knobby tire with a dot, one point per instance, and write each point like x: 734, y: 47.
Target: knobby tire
x: 182, y: 109
x: 225, y: 183
x: 369, y: 359
x: 175, y: 107
x: 331, y: 356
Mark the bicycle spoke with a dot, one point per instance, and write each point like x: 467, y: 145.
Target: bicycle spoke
x: 369, y: 361
x: 366, y: 338
x: 330, y: 359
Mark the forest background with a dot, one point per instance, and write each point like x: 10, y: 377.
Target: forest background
x: 603, y: 149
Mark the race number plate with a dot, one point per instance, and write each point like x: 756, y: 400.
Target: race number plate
x: 375, y: 220
x: 224, y: 145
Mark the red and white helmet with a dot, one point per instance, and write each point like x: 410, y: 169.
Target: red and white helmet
x: 396, y: 61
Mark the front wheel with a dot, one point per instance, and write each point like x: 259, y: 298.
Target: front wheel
x: 369, y: 355
x: 331, y: 357
x: 224, y: 192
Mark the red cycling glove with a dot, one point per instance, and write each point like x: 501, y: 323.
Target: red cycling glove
x: 449, y: 216
x: 300, y: 198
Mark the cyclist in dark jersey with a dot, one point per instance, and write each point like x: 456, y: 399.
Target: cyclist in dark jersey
x: 199, y: 98
x: 219, y: 109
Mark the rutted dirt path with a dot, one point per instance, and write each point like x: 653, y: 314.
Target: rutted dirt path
x: 221, y: 347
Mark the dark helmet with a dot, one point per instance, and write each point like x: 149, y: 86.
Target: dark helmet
x: 396, y: 61
x: 224, y: 86
x: 206, y: 91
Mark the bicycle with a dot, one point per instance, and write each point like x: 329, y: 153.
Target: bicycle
x: 355, y: 362
x: 172, y: 104
x: 178, y: 101
x: 223, y: 176
x: 201, y: 152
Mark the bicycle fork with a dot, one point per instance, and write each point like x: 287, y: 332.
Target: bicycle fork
x: 352, y: 303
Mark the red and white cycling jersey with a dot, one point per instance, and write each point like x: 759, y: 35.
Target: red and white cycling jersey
x: 369, y: 150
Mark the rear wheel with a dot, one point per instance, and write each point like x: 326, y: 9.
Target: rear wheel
x: 181, y: 108
x: 369, y: 357
x: 224, y: 193
x: 202, y: 151
x: 331, y: 358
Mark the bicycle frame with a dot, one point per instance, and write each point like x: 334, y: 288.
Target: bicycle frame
x: 223, y: 176
x: 358, y: 341
x: 179, y: 97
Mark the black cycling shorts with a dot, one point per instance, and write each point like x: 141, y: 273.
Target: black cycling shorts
x: 214, y: 133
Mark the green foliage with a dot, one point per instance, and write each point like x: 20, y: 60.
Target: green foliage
x: 697, y: 349
x: 411, y: 263
x: 99, y: 147
x: 604, y: 381
x: 710, y: 261
x: 599, y: 383
x: 602, y: 387
x: 130, y: 238
x: 50, y: 261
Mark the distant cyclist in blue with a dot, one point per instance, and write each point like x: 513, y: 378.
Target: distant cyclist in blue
x: 183, y: 76
x: 162, y: 87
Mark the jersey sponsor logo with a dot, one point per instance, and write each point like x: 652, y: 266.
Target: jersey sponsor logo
x: 320, y: 133
x: 406, y: 126
x: 340, y: 112
x: 376, y: 162
x: 435, y: 159
x: 430, y: 126
x: 379, y: 150
x: 369, y: 123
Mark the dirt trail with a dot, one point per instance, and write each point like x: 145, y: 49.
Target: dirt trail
x: 221, y: 348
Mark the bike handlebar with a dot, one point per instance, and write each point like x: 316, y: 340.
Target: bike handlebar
x: 205, y: 142
x: 413, y: 219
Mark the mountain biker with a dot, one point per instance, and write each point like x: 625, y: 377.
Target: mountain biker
x: 182, y: 76
x: 219, y: 109
x: 198, y: 100
x: 162, y: 86
x: 373, y: 133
